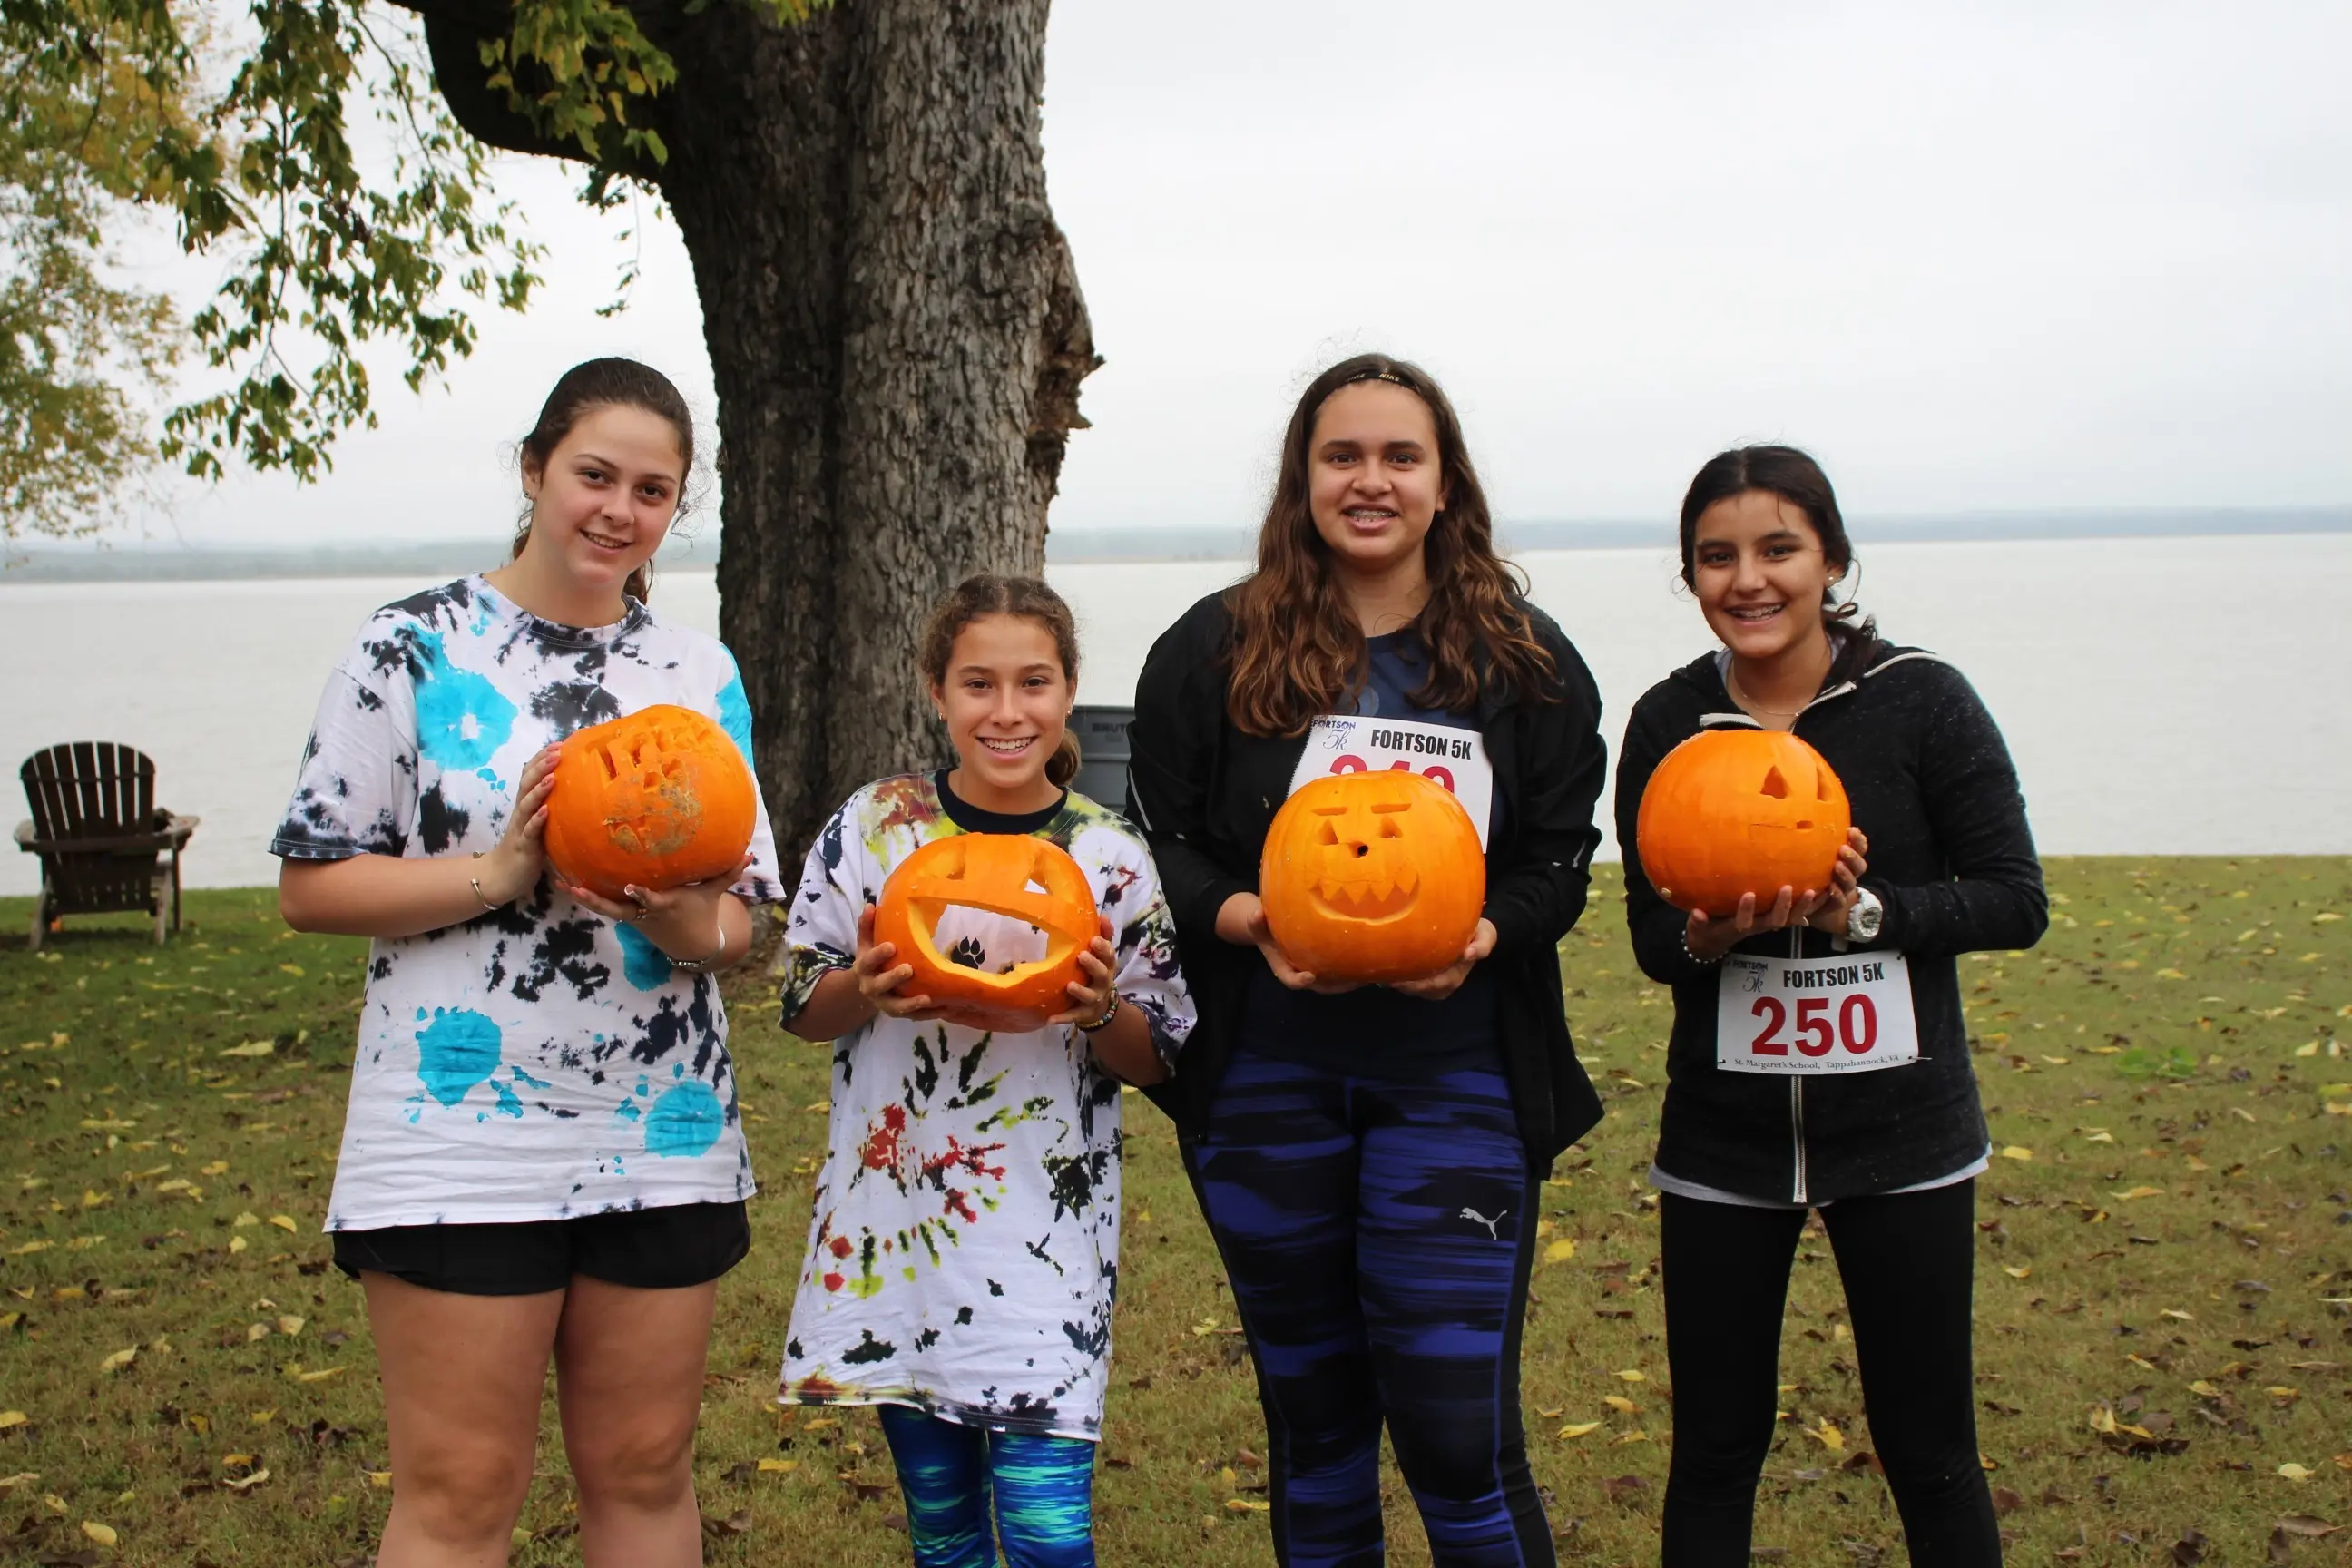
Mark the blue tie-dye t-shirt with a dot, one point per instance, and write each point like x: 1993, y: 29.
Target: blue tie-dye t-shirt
x: 538, y: 1061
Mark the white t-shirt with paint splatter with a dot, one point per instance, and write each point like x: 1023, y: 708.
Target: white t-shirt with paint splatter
x: 539, y: 1061
x: 963, y: 1250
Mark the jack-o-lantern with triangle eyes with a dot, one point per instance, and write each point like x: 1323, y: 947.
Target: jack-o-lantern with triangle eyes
x: 1740, y: 811
x: 658, y: 798
x: 1372, y: 877
x: 1013, y: 875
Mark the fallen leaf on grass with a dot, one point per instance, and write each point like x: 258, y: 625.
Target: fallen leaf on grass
x: 284, y: 1222
x: 2005, y: 1500
x: 2016, y: 1152
x: 2138, y: 1192
x: 1620, y: 1403
x: 21, y: 1478
x: 733, y: 1524
x: 1623, y: 1488
x: 779, y: 1467
x: 9, y: 1418
x: 379, y: 1479
x: 1631, y: 1376
x: 2310, y: 1529
x: 119, y: 1359
x: 2295, y: 1472
x: 252, y: 1049
x: 1243, y: 1505
x: 246, y: 1483
x: 1579, y: 1428
x: 320, y: 1375
x: 1827, y: 1436
x: 1559, y: 1251
x: 2017, y: 1273
x: 101, y: 1533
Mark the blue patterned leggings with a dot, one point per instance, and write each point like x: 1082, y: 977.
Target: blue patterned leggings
x: 1044, y: 1491
x: 1378, y: 1233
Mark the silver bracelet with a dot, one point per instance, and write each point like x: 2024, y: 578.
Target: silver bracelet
x: 704, y: 965
x: 1693, y: 957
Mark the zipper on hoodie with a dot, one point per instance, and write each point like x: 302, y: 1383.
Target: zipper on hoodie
x: 1797, y: 1091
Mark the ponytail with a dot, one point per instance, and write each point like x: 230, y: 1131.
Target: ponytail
x: 1063, y: 765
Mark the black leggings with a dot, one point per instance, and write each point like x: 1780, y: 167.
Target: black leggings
x: 1906, y: 1260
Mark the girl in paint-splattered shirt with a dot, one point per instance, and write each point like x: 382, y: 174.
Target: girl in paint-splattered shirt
x: 543, y: 1156
x: 963, y: 1254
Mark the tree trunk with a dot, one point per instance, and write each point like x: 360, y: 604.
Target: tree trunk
x: 896, y: 332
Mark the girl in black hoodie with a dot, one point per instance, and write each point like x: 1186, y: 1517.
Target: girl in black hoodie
x: 1785, y: 1090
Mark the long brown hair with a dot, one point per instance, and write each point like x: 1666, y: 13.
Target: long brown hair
x: 1296, y: 650
x: 608, y: 383
x: 1030, y: 598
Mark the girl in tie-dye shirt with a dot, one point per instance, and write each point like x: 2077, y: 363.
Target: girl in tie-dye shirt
x: 963, y: 1250
x: 543, y: 1155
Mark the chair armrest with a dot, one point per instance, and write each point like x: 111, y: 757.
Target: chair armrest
x: 25, y: 833
x: 115, y: 844
x: 178, y: 828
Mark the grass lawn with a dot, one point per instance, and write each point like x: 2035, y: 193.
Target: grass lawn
x: 2163, y: 1340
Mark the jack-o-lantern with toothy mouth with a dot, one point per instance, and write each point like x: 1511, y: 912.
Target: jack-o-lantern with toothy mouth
x: 1009, y: 874
x: 1372, y: 878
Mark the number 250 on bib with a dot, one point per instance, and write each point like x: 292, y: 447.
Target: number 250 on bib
x: 1849, y: 1012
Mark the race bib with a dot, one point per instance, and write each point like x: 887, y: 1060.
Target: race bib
x: 1847, y: 1012
x: 1352, y: 745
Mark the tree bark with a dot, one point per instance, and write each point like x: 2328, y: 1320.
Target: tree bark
x: 895, y: 333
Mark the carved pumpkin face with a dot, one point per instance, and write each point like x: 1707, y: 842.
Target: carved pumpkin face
x: 1740, y: 811
x: 1372, y: 877
x: 657, y: 799
x: 1013, y: 875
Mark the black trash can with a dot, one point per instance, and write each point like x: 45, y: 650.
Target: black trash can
x: 1102, y: 752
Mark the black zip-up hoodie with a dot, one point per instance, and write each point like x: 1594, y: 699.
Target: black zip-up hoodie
x: 1205, y: 794
x: 1951, y: 858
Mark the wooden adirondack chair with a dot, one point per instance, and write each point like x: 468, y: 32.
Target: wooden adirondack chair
x: 100, y: 838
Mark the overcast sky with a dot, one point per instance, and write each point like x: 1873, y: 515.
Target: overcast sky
x: 1974, y: 256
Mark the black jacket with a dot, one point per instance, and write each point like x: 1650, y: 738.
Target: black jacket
x: 1205, y: 794
x: 1951, y: 858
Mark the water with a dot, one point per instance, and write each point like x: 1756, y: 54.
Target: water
x: 2162, y: 696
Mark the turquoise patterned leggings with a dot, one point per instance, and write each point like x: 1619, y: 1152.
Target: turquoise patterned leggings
x: 1044, y: 1493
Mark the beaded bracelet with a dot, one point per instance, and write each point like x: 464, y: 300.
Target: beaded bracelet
x: 704, y: 965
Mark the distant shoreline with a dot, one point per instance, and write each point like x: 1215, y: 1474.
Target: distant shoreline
x: 135, y: 562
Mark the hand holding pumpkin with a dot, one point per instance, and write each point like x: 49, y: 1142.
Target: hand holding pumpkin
x: 1437, y: 987
x: 1090, y: 993
x: 511, y: 870
x: 683, y: 921
x: 879, y: 974
x: 1241, y: 920
x: 1823, y: 909
x: 1845, y: 881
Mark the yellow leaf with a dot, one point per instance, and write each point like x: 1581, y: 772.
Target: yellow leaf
x: 2102, y: 1418
x: 321, y: 1375
x: 252, y: 1049
x: 2293, y: 1471
x: 260, y: 1418
x: 9, y: 1418
x: 1579, y: 1428
x: 779, y: 1467
x: 1635, y: 1436
x: 237, y: 1244
x: 119, y: 1359
x: 1827, y: 1435
x: 2170, y: 974
x: 2177, y: 1312
x: 2205, y: 1388
x: 289, y: 1324
x: 379, y: 1479
x: 26, y: 1478
x: 2015, y: 1152
x: 217, y: 1168
x: 2308, y: 1048
x: 2138, y: 1192
x: 246, y: 1483
x: 247, y: 1218
x: 101, y: 1533
x: 255, y: 1333
x: 1632, y: 1376
x: 2280, y: 1392
x: 1243, y: 1505
x: 2058, y: 1061
x: 2098, y: 1135
x: 1560, y: 1251
x: 284, y: 1222
x: 293, y: 969
x: 1620, y: 1403
x: 29, y: 1248
x: 2017, y: 1273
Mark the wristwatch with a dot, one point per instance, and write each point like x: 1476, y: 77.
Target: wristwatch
x: 1865, y: 915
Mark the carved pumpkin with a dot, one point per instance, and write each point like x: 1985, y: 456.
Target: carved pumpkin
x: 1740, y: 811
x: 657, y: 799
x: 1008, y: 874
x: 1372, y: 877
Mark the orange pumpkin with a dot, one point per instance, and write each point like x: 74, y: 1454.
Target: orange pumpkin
x: 1372, y: 877
x: 1009, y: 874
x: 657, y: 799
x: 1740, y: 811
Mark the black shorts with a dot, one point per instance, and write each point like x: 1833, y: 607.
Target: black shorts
x: 646, y: 1249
